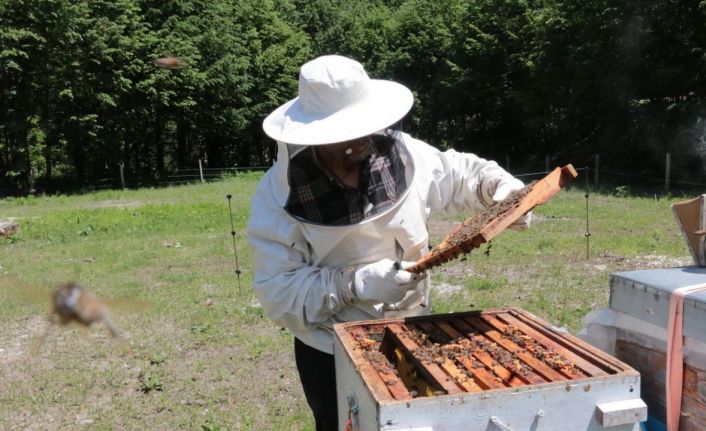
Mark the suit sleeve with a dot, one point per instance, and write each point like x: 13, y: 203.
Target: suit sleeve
x: 459, y: 181
x: 293, y: 293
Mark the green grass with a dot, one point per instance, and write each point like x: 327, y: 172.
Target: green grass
x: 546, y: 271
x: 202, y: 355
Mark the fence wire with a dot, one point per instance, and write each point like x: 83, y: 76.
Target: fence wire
x: 637, y: 174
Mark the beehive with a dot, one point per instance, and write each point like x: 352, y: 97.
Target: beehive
x: 478, y: 370
x: 634, y: 329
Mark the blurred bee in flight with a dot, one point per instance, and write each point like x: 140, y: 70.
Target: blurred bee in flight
x: 170, y: 62
x: 72, y: 303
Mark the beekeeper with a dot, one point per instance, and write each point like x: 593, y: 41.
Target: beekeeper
x: 346, y: 185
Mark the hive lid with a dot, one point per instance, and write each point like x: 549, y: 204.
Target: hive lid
x: 645, y: 294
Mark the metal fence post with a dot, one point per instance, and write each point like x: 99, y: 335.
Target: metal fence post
x: 122, y: 175
x: 667, y: 171
x: 201, y: 171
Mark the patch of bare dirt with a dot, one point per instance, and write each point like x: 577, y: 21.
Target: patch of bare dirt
x: 613, y: 262
x: 16, y: 340
x: 446, y: 288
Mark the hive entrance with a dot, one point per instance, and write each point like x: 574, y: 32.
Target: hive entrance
x: 472, y: 352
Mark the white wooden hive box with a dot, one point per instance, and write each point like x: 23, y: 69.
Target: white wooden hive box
x: 502, y: 369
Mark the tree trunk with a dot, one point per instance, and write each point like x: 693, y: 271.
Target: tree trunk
x: 76, y: 144
x: 48, y: 146
x: 28, y: 157
x: 5, y: 140
x: 214, y: 157
x: 159, y: 145
x: 127, y: 151
x: 182, y: 144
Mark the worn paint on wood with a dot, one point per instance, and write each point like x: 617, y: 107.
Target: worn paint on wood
x: 651, y: 364
x: 381, y: 379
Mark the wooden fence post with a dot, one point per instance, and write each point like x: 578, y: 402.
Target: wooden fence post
x: 667, y: 171
x: 32, y: 173
x: 201, y: 171
x: 597, y: 169
x: 122, y: 175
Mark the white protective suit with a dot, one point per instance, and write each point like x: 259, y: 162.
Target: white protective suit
x: 299, y: 266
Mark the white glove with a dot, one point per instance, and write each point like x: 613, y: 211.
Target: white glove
x: 381, y: 282
x: 503, y: 189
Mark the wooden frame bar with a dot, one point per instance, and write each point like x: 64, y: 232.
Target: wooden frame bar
x: 470, y: 352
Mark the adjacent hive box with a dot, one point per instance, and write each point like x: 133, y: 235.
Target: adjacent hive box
x: 488, y: 370
x: 645, y: 295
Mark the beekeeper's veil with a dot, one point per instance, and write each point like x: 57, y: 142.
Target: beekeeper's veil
x: 338, y: 102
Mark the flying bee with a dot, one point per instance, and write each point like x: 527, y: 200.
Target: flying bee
x: 170, y: 62
x: 72, y: 303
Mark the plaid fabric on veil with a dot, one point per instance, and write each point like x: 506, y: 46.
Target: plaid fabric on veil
x: 318, y: 197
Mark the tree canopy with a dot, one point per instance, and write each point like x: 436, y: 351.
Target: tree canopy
x: 80, y: 93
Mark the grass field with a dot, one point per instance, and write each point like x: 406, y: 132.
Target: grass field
x: 202, y: 356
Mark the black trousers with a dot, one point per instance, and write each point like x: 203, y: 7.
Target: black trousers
x: 317, y: 373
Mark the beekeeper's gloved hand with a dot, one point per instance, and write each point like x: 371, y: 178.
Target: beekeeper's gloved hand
x: 503, y: 189
x: 382, y: 282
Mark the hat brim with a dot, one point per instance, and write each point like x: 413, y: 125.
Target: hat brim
x: 386, y: 103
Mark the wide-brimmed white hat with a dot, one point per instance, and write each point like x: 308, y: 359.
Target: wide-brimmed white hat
x: 337, y: 102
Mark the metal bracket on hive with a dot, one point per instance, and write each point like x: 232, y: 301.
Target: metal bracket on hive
x: 498, y: 423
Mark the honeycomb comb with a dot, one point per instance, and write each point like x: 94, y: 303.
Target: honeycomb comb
x: 486, y: 225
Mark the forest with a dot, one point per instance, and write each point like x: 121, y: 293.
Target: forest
x: 81, y: 97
